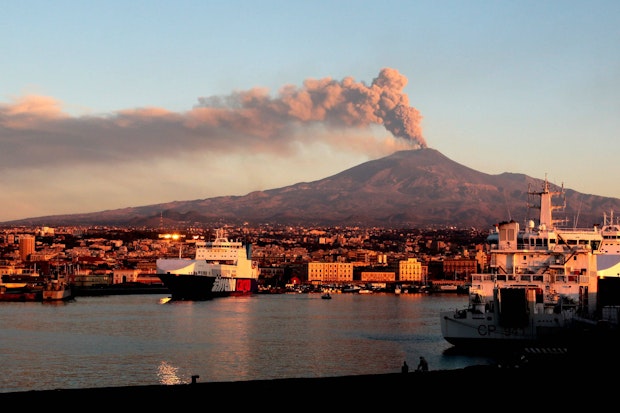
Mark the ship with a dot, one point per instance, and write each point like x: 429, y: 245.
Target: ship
x: 608, y: 270
x: 23, y: 286
x: 220, y: 268
x: 611, y: 235
x: 539, y: 286
x: 12, y: 292
x: 57, y: 289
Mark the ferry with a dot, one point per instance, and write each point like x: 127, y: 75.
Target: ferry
x: 220, y: 268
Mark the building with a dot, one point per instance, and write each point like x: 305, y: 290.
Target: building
x: 411, y: 270
x: 378, y: 276
x: 459, y: 268
x: 26, y: 246
x: 330, y: 272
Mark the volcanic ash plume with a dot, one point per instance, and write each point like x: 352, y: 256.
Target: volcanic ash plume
x: 339, y: 104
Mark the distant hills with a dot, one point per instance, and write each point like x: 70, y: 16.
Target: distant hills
x: 415, y: 188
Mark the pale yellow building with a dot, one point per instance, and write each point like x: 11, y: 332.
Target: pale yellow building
x: 330, y: 272
x: 125, y: 275
x: 411, y: 271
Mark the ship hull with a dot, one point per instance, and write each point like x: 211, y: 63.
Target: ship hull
x: 56, y: 290
x: 484, y: 330
x: 219, y: 269
x: 57, y: 295
x: 186, y: 287
x: 20, y: 296
x: 569, y: 332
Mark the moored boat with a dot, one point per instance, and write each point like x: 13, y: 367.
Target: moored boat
x: 447, y: 288
x: 540, y: 286
x: 22, y: 286
x: 57, y: 289
x: 351, y: 289
x: 19, y: 293
x: 220, y: 268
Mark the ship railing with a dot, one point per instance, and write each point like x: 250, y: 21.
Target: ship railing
x: 611, y: 314
x: 577, y: 231
x: 483, y: 277
x: 531, y: 278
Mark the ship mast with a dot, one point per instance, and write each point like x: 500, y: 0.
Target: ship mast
x: 546, y: 205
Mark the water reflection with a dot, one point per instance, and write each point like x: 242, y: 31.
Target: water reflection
x: 168, y: 374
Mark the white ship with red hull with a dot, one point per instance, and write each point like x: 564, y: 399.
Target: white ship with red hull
x: 220, y: 268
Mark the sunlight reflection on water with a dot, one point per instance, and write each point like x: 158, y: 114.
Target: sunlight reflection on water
x: 168, y: 374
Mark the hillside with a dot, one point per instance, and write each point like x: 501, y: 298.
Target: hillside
x: 416, y: 188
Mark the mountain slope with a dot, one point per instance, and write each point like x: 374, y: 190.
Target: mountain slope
x: 416, y: 188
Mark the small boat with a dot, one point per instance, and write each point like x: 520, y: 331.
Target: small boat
x: 220, y: 268
x: 326, y: 296
x: 351, y: 289
x: 447, y: 288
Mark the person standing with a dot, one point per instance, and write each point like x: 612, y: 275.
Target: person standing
x: 423, y: 364
x: 405, y: 367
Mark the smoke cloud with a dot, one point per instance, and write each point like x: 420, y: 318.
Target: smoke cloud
x: 341, y: 104
x: 53, y: 162
x: 35, y: 132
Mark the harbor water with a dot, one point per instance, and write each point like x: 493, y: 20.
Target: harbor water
x: 126, y: 340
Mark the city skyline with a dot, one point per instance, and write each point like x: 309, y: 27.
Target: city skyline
x: 111, y: 105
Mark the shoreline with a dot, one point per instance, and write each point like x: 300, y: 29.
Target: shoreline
x: 392, y: 382
x: 548, y: 382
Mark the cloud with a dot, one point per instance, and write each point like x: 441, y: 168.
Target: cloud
x: 34, y: 132
x: 54, y: 163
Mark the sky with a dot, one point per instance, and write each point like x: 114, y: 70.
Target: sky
x: 114, y: 104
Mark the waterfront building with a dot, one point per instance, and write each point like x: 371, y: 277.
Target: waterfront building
x: 459, y: 268
x: 87, y: 279
x: 411, y: 270
x: 125, y: 275
x: 330, y: 272
x: 378, y: 276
